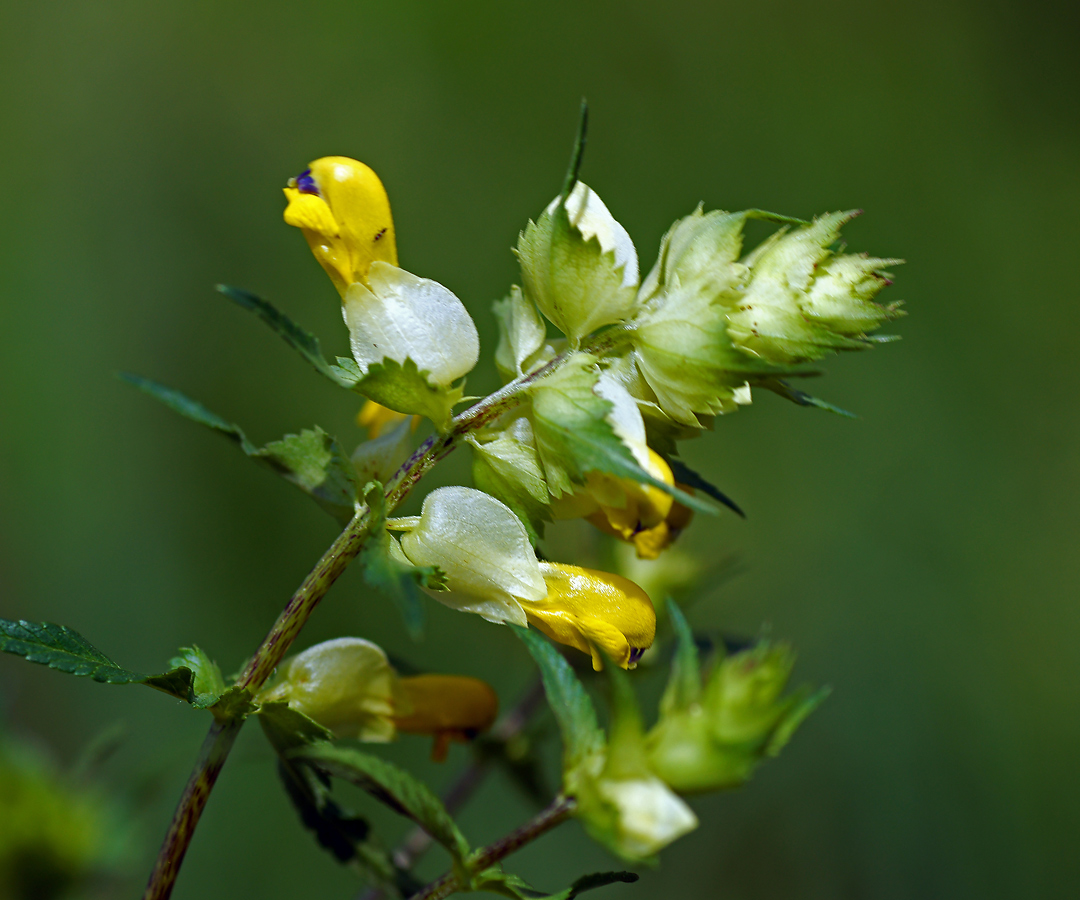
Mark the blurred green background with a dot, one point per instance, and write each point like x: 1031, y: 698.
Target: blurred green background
x: 921, y: 558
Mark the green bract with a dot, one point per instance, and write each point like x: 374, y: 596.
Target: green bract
x: 578, y: 265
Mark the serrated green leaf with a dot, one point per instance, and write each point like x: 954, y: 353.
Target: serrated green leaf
x: 497, y: 881
x: 236, y: 703
x: 573, y: 436
x: 288, y: 729
x: 801, y: 398
x: 207, y: 682
x: 180, y: 403
x: 405, y: 389
x: 68, y: 651
x: 389, y: 576
x: 684, y: 685
x: 312, y: 460
x: 803, y: 702
x: 570, y: 704
x: 392, y: 786
x: 303, y: 342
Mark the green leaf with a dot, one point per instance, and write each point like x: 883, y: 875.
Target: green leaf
x: 390, y: 576
x: 785, y: 390
x: 303, y: 342
x: 406, y: 389
x: 803, y: 702
x: 393, y: 786
x: 684, y: 686
x: 509, y: 469
x: 68, y: 651
x: 685, y: 475
x: 236, y: 703
x: 570, y: 704
x: 207, y: 682
x: 573, y: 436
x: 312, y: 460
x: 190, y: 409
x: 288, y: 729
x: 497, y: 881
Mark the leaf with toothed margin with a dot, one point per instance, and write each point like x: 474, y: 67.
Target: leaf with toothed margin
x: 390, y: 576
x: 65, y: 650
x: 207, y: 682
x: 403, y: 388
x: 303, y: 342
x: 392, y: 786
x: 685, y: 475
x: 785, y: 390
x: 312, y: 460
x: 496, y: 881
x: 570, y: 704
x: 574, y: 437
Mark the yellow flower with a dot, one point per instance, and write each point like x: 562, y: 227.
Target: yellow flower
x: 639, y: 514
x: 375, y: 418
x: 596, y: 612
x: 341, y: 207
x: 448, y: 707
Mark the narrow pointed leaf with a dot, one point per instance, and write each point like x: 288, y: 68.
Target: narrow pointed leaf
x: 785, y: 390
x: 393, y: 786
x: 685, y: 475
x: 303, y: 342
x: 570, y: 704
x: 68, y: 651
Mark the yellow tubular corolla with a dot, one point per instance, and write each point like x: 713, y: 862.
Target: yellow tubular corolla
x: 341, y: 207
x: 648, y: 517
x: 595, y: 612
x: 376, y: 418
x: 448, y: 707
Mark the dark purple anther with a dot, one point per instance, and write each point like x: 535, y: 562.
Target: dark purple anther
x: 636, y: 653
x: 305, y: 184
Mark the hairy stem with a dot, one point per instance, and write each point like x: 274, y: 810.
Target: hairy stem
x: 301, y: 605
x: 557, y: 812
x: 212, y: 757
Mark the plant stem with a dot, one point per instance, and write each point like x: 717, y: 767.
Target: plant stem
x: 212, y: 757
x: 557, y: 812
x: 301, y: 605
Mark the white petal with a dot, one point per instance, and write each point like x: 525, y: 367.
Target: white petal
x: 399, y: 315
x: 625, y: 417
x: 591, y: 217
x: 651, y: 816
x: 484, y: 550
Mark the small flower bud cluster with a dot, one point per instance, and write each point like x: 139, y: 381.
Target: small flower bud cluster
x: 706, y: 738
x: 348, y: 686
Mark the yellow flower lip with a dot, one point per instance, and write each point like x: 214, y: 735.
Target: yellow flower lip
x: 342, y: 209
x: 596, y: 612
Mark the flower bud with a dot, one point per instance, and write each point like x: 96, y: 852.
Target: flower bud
x: 341, y: 207
x: 578, y: 265
x: 346, y: 685
x: 399, y: 316
x: 716, y: 739
x: 482, y: 548
x: 621, y: 801
x: 596, y: 612
x: 448, y: 707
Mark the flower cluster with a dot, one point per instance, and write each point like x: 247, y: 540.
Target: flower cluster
x: 588, y: 428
